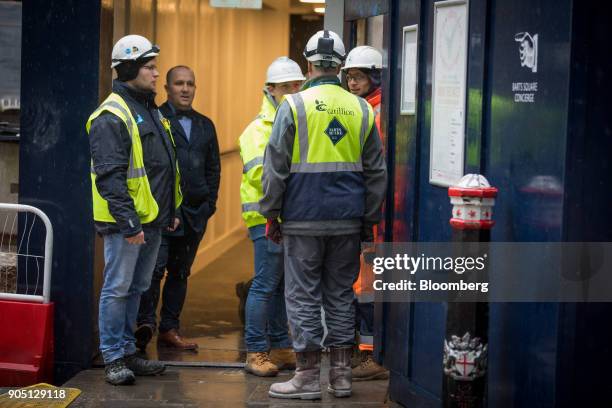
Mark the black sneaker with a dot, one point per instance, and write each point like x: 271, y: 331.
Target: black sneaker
x: 117, y: 373
x: 143, y: 335
x: 141, y: 366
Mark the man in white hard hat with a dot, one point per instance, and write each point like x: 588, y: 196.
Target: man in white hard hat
x: 265, y: 334
x: 325, y: 177
x: 363, y: 68
x: 135, y: 189
x: 197, y: 151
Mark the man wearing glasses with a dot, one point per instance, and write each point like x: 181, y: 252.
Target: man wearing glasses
x: 135, y: 190
x: 363, y: 76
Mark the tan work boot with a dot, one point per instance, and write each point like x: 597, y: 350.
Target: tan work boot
x: 368, y: 369
x: 283, y: 358
x: 340, y: 377
x: 259, y: 364
x: 305, y: 383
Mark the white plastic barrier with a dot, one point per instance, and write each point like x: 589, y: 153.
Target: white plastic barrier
x: 12, y: 250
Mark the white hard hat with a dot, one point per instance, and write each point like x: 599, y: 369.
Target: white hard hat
x: 284, y: 69
x: 363, y: 57
x: 131, y: 48
x: 325, y: 46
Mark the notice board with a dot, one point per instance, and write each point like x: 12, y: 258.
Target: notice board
x: 448, y: 92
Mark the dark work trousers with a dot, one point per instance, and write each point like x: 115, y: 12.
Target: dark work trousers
x: 176, y: 256
x: 365, y: 325
x: 320, y: 271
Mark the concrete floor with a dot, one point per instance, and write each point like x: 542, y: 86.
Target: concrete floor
x: 210, y: 315
x: 212, y: 376
x: 210, y: 387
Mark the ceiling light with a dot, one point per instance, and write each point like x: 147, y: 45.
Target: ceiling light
x: 313, y: 1
x: 320, y: 10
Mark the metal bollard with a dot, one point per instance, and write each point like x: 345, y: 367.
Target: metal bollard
x: 467, y: 323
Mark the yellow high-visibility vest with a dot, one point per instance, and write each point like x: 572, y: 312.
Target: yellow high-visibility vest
x: 137, y: 182
x: 326, y: 181
x: 253, y: 142
x: 336, y: 122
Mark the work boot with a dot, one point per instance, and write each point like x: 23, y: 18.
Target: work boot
x: 117, y: 373
x: 368, y: 369
x: 340, y: 371
x: 259, y: 364
x: 143, y: 335
x: 305, y: 383
x: 283, y: 358
x: 143, y: 367
x: 172, y: 338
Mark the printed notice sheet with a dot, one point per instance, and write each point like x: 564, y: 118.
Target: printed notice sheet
x: 448, y: 92
x: 409, y: 70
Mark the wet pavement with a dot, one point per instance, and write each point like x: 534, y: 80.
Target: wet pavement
x: 211, y: 387
x: 212, y: 376
x: 210, y: 316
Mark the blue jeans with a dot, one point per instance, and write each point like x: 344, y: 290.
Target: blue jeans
x: 266, y: 317
x: 127, y: 274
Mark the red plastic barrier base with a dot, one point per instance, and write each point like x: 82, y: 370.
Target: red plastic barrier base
x: 26, y: 343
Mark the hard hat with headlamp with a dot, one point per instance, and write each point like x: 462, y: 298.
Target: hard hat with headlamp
x: 325, y: 48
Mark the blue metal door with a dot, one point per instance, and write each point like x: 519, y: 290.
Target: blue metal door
x: 539, y: 135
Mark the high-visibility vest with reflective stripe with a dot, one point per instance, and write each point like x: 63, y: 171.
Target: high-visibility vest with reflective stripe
x: 326, y: 180
x: 253, y: 143
x: 137, y: 182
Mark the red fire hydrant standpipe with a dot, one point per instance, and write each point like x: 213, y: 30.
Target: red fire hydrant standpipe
x: 467, y: 323
x: 473, y: 200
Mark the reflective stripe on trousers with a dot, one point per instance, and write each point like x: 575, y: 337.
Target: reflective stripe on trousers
x: 366, y: 343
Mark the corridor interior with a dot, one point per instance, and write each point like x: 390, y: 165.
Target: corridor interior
x: 211, y: 313
x: 213, y: 375
x: 218, y: 43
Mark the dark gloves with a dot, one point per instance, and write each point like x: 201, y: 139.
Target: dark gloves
x: 273, y: 231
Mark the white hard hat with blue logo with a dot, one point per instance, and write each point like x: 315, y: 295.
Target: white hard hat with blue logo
x: 132, y: 48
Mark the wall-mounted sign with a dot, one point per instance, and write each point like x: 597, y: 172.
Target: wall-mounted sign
x: 525, y: 92
x: 448, y: 92
x: 250, y: 4
x: 528, y: 50
x: 409, y: 70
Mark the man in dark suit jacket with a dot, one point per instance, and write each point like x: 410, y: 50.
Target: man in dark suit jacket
x: 197, y: 151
